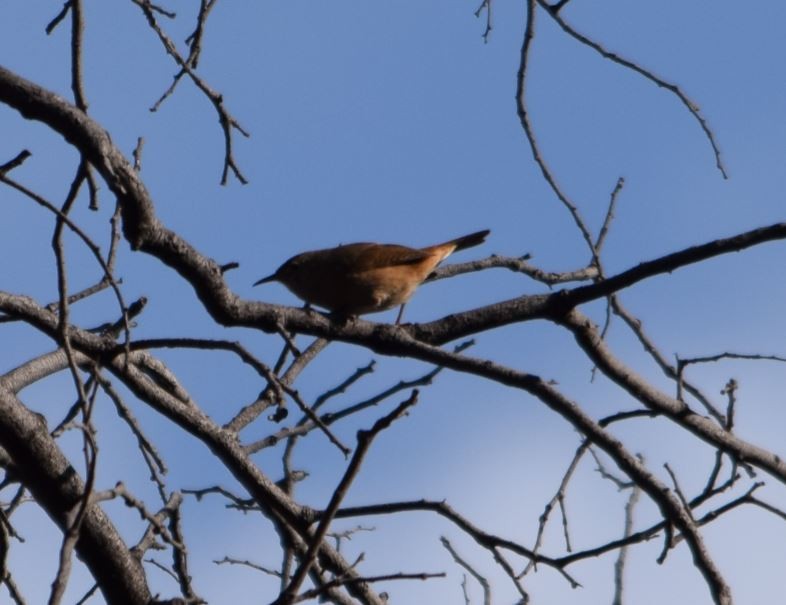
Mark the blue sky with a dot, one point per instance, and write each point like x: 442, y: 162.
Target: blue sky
x: 395, y: 122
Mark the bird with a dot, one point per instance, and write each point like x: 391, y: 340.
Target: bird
x: 355, y: 279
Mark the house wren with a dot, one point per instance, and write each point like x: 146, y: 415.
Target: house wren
x: 364, y: 278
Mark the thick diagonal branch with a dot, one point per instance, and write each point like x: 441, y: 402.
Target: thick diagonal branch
x: 57, y: 487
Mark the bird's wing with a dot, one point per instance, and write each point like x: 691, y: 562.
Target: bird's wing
x: 366, y: 257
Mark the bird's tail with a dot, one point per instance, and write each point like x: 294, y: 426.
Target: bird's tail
x: 467, y: 241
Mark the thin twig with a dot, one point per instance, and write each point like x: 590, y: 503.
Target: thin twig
x: 516, y: 264
x: 337, y: 582
x: 670, y: 371
x: 523, y: 113
x: 365, y: 438
x: 179, y: 551
x: 559, y: 495
x: 13, y: 590
x: 729, y: 355
x: 148, y: 449
x: 484, y: 583
x: 58, y: 18
x: 87, y: 595
x: 622, y: 556
x: 247, y: 563
x: 228, y: 123
x: 486, y: 6
x: 15, y: 162
x: 92, y: 246
x: 71, y: 534
x: 484, y: 539
x: 252, y: 411
x: 615, y: 58
x: 604, y: 230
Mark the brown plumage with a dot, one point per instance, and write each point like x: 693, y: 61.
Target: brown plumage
x: 364, y: 277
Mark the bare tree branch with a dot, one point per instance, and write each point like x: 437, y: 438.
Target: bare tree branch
x: 37, y: 469
x: 615, y: 58
x: 484, y: 583
x: 228, y: 123
x: 365, y: 438
x: 619, y: 564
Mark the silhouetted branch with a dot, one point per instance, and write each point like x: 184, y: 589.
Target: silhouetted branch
x: 484, y: 583
x: 615, y: 58
x: 365, y: 438
x: 228, y: 123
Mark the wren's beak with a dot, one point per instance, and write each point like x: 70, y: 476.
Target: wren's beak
x: 267, y: 279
